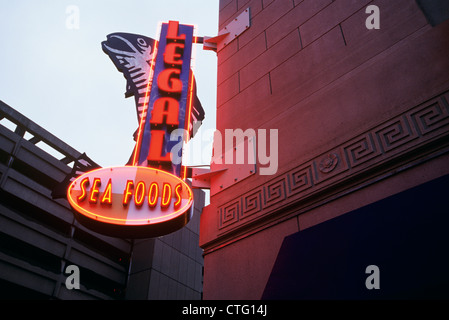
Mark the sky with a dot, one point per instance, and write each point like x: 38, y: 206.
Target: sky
x: 54, y: 72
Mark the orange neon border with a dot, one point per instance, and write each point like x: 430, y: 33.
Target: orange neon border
x: 89, y: 214
x: 146, y: 103
x: 190, y: 102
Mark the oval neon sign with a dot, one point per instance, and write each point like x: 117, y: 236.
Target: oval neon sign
x: 131, y: 201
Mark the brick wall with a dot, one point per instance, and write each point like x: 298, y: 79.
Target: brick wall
x: 334, y: 90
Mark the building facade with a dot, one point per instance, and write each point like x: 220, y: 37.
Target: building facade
x: 40, y: 238
x: 362, y: 119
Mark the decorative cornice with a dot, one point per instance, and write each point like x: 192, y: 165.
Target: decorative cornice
x: 417, y: 131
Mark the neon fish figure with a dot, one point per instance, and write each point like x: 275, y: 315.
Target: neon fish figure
x: 132, y: 55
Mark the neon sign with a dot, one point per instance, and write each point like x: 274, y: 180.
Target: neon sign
x: 149, y: 198
x: 170, y: 99
x: 131, y: 201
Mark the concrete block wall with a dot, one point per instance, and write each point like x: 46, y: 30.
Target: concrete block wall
x: 361, y: 114
x: 169, y: 267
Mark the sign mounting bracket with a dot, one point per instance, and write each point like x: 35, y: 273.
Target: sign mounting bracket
x: 230, y: 32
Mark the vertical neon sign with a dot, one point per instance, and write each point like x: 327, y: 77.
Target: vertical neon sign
x: 169, y: 99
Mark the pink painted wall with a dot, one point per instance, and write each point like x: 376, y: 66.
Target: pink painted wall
x: 372, y: 102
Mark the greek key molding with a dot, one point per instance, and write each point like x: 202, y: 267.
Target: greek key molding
x: 407, y: 131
